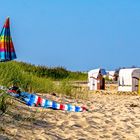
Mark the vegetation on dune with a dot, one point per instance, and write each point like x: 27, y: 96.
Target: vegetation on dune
x: 3, y: 102
x: 54, y: 73
x: 36, y: 78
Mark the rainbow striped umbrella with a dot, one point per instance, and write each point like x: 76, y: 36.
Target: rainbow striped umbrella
x: 7, y: 51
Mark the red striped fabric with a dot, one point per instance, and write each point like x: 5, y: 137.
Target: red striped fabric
x: 62, y: 107
x: 39, y: 101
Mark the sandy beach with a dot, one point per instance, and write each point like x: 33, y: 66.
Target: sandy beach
x: 69, y: 70
x: 111, y: 117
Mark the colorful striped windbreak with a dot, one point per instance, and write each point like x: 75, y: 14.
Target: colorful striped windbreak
x: 7, y: 51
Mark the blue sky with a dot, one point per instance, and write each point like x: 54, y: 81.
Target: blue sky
x: 78, y: 35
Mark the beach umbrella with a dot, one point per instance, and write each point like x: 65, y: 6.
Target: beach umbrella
x: 7, y: 51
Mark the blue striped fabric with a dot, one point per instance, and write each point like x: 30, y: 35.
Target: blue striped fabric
x: 48, y: 104
x: 32, y: 99
x: 69, y: 107
x: 77, y: 109
x: 54, y: 105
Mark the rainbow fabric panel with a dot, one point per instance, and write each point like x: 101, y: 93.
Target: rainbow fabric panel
x: 7, y: 51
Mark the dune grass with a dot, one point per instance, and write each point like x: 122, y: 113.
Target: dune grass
x: 39, y: 79
x: 35, y: 78
x: 3, y: 102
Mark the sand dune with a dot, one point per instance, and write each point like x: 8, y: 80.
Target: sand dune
x: 111, y: 117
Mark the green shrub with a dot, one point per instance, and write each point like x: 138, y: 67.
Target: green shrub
x: 3, y: 102
x: 77, y: 76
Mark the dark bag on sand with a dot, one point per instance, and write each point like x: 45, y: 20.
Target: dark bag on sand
x: 15, y: 89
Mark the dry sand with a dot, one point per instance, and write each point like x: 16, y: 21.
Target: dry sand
x: 111, y: 117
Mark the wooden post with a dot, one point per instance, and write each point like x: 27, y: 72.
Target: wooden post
x: 139, y: 88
